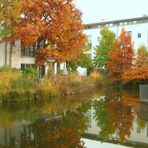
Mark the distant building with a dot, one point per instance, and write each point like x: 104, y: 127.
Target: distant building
x: 137, y: 27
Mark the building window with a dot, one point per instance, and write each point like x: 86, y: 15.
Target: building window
x: 121, y: 23
x: 130, y: 23
x: 89, y: 41
x: 129, y: 32
x: 138, y: 130
x: 139, y: 35
x: 125, y: 23
x: 23, y: 66
x: 111, y: 25
x: 29, y: 51
x: 14, y: 44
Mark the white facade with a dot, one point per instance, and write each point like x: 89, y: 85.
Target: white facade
x: 138, y: 27
x: 17, y: 58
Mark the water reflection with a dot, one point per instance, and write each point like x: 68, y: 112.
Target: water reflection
x: 60, y: 123
x: 42, y: 125
x: 119, y: 117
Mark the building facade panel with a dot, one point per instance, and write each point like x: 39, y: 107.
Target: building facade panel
x: 138, y: 27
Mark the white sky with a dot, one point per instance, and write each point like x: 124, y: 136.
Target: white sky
x: 96, y: 10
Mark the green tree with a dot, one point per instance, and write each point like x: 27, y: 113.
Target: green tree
x: 102, y: 50
x: 82, y: 60
x: 9, y: 15
x: 142, y: 56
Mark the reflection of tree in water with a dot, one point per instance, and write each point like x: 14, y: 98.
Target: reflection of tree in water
x: 102, y: 116
x: 62, y: 131
x: 43, y: 124
x: 116, y: 114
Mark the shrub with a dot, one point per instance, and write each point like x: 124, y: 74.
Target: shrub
x: 30, y: 72
x: 7, y: 77
x: 47, y: 88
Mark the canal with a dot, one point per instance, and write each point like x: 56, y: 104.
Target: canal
x: 107, y: 116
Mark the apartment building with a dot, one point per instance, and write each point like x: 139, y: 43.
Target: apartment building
x: 137, y: 27
x: 22, y: 58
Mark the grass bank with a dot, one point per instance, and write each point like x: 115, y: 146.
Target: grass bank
x: 16, y: 86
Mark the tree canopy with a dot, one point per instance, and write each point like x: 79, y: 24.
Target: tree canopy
x: 121, y: 56
x: 55, y: 26
x: 102, y: 51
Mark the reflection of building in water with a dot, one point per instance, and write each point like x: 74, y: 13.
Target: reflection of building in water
x: 144, y: 111
x: 23, y: 134
x: 138, y: 135
x: 93, y: 128
x: 10, y: 136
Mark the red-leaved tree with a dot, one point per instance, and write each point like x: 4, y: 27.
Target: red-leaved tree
x: 55, y: 28
x: 121, y: 56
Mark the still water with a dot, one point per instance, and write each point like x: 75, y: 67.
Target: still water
x: 107, y: 115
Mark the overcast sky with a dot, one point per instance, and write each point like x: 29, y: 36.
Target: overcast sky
x: 96, y: 10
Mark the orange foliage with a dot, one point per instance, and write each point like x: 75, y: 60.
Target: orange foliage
x: 136, y: 74
x: 121, y: 53
x: 55, y: 24
x: 113, y: 65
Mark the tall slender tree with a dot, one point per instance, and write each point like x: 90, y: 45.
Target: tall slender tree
x: 121, y: 56
x: 102, y: 51
x: 139, y: 73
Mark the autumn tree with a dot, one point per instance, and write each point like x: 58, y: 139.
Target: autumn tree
x: 121, y: 56
x: 136, y: 75
x: 139, y: 74
x: 55, y: 28
x: 142, y: 57
x: 102, y: 51
x: 9, y: 15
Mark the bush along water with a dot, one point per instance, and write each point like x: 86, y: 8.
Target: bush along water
x: 16, y: 85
